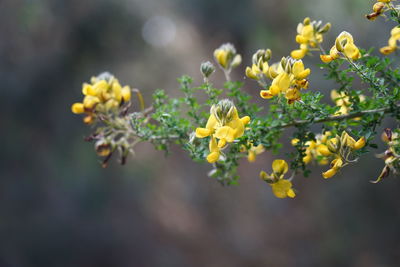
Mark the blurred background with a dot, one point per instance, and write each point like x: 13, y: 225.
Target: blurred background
x: 58, y: 207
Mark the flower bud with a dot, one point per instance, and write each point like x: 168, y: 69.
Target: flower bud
x: 207, y: 68
x: 236, y: 61
x: 326, y: 28
x: 264, y: 55
x: 333, y: 144
x: 77, y: 108
x: 377, y: 7
x: 223, y: 111
x: 225, y: 55
x: 103, y: 148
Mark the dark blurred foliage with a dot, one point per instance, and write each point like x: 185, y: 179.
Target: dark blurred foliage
x: 58, y: 207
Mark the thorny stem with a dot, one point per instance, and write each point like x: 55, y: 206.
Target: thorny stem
x: 316, y: 120
x: 335, y: 118
x: 358, y: 70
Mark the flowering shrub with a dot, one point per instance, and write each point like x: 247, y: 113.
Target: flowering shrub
x: 234, y: 127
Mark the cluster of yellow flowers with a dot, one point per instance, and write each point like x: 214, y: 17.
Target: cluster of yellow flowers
x: 288, y: 77
x: 103, y: 94
x: 379, y: 8
x: 316, y: 150
x: 281, y: 187
x: 392, y: 42
x: 390, y: 156
x: 224, y: 126
x: 342, y: 149
x: 342, y: 100
x: 344, y: 46
x: 309, y: 35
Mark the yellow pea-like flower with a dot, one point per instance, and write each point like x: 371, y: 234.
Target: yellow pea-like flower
x: 329, y: 173
x: 326, y: 58
x: 309, y: 35
x: 266, y: 94
x: 292, y: 94
x: 283, y: 188
x: 323, y: 150
x: 281, y: 83
x: 222, y: 57
x: 88, y: 89
x: 344, y: 45
x: 202, y: 132
x: 392, y: 42
x: 101, y: 86
x: 225, y: 132
x: 126, y: 93
x: 214, y: 151
x: 298, y: 53
x: 299, y: 72
x: 280, y: 167
x: 89, y: 102
x: 360, y: 143
x: 78, y: 108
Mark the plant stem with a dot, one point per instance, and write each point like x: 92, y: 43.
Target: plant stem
x: 335, y: 118
x: 314, y: 121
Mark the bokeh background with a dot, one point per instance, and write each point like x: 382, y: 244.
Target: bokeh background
x: 59, y: 208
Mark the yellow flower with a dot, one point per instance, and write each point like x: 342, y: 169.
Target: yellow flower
x: 224, y: 126
x: 214, y: 151
x: 342, y: 148
x: 344, y: 45
x: 103, y: 94
x: 323, y: 150
x: 349, y: 141
x: 280, y: 167
x: 227, y: 57
x: 309, y: 35
x: 392, y: 42
x: 253, y: 151
x: 281, y: 188
x: 78, y: 108
x: 317, y: 150
x: 336, y: 164
x: 360, y: 143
